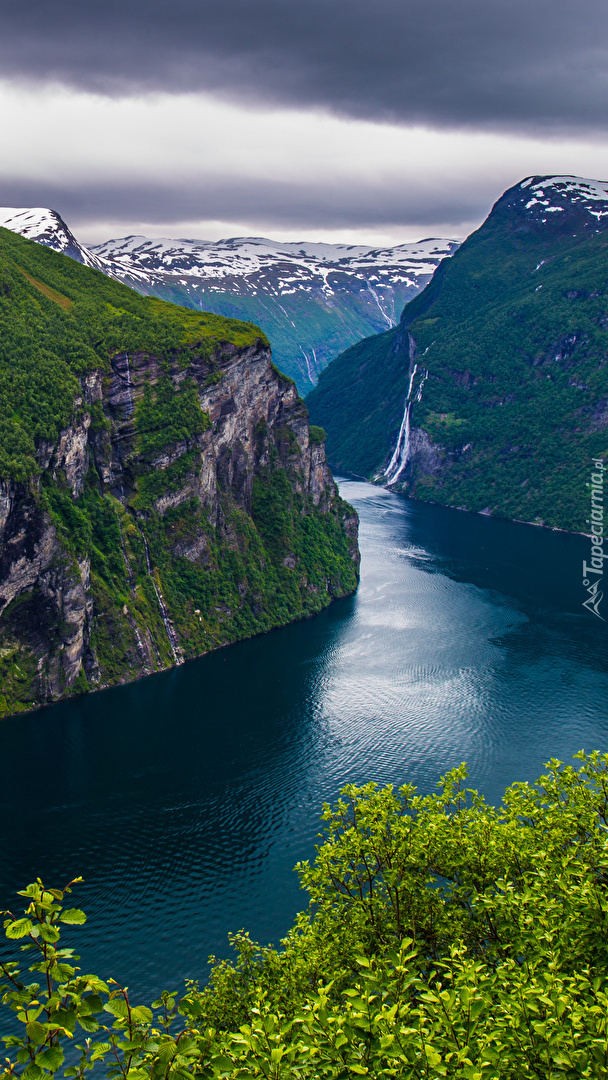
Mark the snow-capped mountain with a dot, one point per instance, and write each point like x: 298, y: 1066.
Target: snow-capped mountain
x: 48, y: 227
x: 493, y: 393
x: 564, y: 202
x: 294, y: 266
x: 555, y: 194
x: 312, y: 300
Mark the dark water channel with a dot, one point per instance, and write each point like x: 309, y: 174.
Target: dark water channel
x: 184, y: 800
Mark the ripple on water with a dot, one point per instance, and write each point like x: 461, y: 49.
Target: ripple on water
x: 186, y: 799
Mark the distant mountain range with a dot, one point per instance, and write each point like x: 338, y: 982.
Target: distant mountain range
x: 492, y: 393
x: 312, y: 300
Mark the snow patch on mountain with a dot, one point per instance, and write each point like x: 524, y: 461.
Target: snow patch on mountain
x: 555, y: 194
x: 46, y: 227
x: 313, y: 300
x: 293, y: 265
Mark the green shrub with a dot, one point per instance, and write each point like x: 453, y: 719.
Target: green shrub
x: 444, y: 938
x: 316, y: 435
x: 165, y: 416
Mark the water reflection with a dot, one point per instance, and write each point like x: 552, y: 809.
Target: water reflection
x: 185, y: 799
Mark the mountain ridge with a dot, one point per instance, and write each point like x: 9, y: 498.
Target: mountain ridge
x: 311, y: 299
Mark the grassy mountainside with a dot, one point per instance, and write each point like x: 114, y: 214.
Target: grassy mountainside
x: 59, y: 321
x: 513, y: 331
x: 160, y: 494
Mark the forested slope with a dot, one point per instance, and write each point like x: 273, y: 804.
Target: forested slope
x: 512, y: 338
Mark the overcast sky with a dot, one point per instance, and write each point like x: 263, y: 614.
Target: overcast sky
x: 374, y: 121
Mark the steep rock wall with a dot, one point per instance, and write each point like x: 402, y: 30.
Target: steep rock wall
x: 182, y: 508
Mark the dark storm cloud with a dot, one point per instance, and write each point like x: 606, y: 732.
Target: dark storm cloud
x: 517, y: 64
x: 263, y: 204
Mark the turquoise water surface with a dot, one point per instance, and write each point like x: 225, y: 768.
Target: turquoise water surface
x: 185, y: 799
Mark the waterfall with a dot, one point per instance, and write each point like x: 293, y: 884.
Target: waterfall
x: 382, y: 311
x: 401, y: 453
x: 129, y: 405
x: 307, y: 361
x: 164, y: 614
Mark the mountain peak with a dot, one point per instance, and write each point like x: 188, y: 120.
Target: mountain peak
x: 47, y: 227
x: 567, y: 203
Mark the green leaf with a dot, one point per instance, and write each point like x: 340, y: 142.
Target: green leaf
x: 64, y: 1018
x: 20, y: 928
x: 51, y: 1059
x: 30, y: 1012
x: 48, y: 933
x: 88, y: 1022
x: 142, y: 1014
x: 432, y: 1056
x: 117, y: 1007
x: 36, y: 1032
x: 100, y: 1051
x: 73, y: 917
x: 92, y: 1003
x: 33, y: 1072
x: 166, y: 1051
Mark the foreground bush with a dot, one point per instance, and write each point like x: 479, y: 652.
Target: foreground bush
x: 444, y: 938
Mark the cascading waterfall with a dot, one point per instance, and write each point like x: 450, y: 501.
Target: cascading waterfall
x: 307, y: 362
x: 401, y: 453
x: 164, y: 614
x: 129, y: 406
x: 382, y: 311
x: 129, y: 410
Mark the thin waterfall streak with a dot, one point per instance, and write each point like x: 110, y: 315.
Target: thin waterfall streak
x: 397, y: 450
x: 401, y: 454
x: 129, y: 406
x: 164, y: 614
x: 307, y: 361
x: 405, y: 454
x: 382, y: 311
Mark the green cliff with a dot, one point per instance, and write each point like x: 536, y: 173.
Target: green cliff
x: 159, y: 493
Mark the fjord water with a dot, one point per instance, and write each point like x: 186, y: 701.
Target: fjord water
x: 185, y: 799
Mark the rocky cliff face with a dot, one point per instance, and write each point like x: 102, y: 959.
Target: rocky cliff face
x: 183, y: 507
